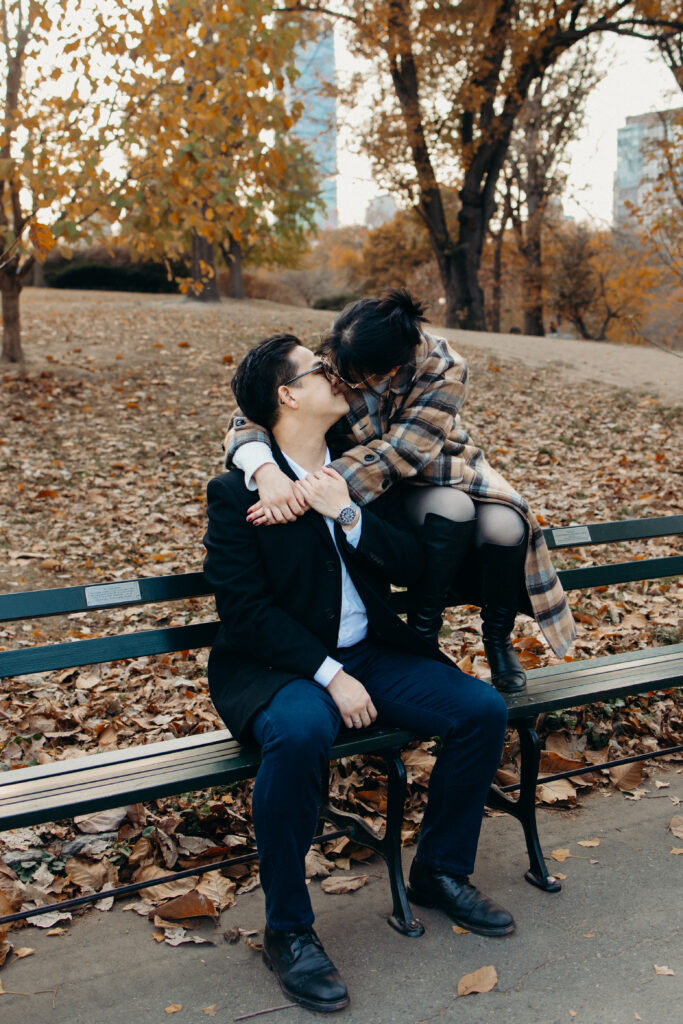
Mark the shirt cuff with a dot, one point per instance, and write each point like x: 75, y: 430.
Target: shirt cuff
x: 251, y: 456
x: 353, y: 536
x: 327, y: 672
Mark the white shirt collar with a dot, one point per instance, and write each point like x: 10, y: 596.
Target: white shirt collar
x: 299, y: 470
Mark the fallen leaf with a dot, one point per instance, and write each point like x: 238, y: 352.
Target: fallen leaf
x: 90, y: 874
x: 167, y: 889
x: 217, y: 888
x: 483, y: 980
x: 210, y: 1011
x: 23, y: 951
x: 678, y: 850
x: 627, y: 776
x: 343, y: 883
x: 317, y: 865
x: 664, y: 970
x: 57, y: 931
x: 102, y: 821
x: 180, y: 936
x: 559, y: 791
x: 191, y: 904
x: 588, y: 842
x: 560, y: 855
x: 460, y: 931
x: 173, y: 1008
x: 661, y: 785
x: 676, y: 826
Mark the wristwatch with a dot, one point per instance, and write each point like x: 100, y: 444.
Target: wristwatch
x: 347, y: 514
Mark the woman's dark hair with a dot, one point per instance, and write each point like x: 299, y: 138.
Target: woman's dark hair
x: 374, y: 334
x: 260, y: 374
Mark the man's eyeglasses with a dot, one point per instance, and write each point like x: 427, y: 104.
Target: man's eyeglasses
x: 323, y: 368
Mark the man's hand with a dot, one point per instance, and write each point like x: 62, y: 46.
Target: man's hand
x: 353, y: 701
x: 325, y: 491
x: 278, y: 501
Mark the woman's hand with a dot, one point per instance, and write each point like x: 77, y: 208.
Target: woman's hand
x: 278, y: 501
x: 325, y: 492
x: 353, y: 700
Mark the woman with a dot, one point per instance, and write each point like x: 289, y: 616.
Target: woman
x: 481, y: 540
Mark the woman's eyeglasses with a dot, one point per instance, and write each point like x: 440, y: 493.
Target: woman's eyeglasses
x: 323, y: 368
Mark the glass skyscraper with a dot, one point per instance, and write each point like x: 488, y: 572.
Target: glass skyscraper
x: 317, y: 126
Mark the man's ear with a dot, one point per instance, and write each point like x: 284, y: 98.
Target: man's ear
x: 285, y: 397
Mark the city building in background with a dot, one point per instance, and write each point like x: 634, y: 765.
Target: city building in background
x: 638, y: 162
x: 317, y: 126
x: 380, y: 210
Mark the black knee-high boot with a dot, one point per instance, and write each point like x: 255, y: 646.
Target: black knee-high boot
x: 445, y: 544
x: 502, y: 569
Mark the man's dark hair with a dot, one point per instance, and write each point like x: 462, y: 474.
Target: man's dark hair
x: 260, y: 374
x: 374, y: 334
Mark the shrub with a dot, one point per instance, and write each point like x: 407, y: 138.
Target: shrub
x: 126, y: 277
x: 334, y: 302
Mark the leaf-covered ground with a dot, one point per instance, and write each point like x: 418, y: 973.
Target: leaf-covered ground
x: 107, y: 440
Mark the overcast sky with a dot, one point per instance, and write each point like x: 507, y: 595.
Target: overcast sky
x: 635, y: 84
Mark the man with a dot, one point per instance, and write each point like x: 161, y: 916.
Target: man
x: 307, y: 643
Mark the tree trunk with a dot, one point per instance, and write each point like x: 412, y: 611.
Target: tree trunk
x: 236, y: 287
x: 533, y: 270
x: 203, y: 270
x: 38, y: 275
x: 467, y: 258
x: 10, y: 285
x: 497, y: 279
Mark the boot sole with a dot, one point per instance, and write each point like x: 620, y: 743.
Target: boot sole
x: 494, y: 932
x: 510, y: 690
x: 309, y: 1004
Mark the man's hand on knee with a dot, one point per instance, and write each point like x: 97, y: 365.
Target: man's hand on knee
x: 353, y: 701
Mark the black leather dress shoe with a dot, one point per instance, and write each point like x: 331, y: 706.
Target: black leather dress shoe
x: 463, y: 902
x: 304, y: 970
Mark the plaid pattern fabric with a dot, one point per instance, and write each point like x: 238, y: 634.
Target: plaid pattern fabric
x: 422, y: 440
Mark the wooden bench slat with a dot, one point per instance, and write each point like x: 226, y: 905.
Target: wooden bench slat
x: 621, y: 572
x: 613, y: 532
x: 49, y: 657
x: 32, y: 604
x: 32, y: 795
x: 571, y: 683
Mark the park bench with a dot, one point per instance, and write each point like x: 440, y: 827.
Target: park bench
x: 65, y: 788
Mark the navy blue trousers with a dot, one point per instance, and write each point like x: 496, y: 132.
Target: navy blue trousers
x: 296, y: 732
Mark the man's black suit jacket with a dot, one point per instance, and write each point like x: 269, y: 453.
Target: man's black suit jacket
x: 278, y: 594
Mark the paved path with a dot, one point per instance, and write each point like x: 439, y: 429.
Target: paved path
x: 585, y: 955
x: 632, y: 367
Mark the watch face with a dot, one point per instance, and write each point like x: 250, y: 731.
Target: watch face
x: 347, y: 515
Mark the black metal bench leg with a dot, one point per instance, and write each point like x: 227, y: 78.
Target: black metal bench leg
x: 530, y: 747
x: 402, y: 918
x: 389, y: 845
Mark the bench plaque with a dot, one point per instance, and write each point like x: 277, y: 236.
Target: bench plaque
x: 112, y: 593
x: 572, y: 535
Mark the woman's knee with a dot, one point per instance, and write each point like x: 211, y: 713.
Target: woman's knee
x: 498, y: 524
x: 440, y: 501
